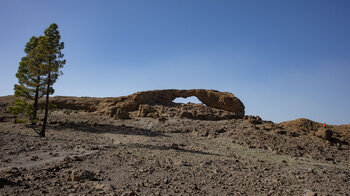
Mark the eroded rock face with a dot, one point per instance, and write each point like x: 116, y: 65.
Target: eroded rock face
x: 145, y: 101
x: 189, y: 110
x: 324, y: 133
x: 215, y: 99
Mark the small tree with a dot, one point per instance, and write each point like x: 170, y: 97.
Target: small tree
x: 21, y: 107
x: 49, y: 50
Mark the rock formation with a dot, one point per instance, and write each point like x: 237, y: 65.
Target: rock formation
x: 215, y: 99
x: 324, y: 133
x: 154, y: 102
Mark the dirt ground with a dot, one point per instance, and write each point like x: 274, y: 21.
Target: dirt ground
x: 89, y: 154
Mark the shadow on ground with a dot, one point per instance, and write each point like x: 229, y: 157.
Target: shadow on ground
x: 163, y: 147
x: 7, y: 182
x: 104, y: 128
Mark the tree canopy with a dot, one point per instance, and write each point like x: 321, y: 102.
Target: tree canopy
x: 37, y: 72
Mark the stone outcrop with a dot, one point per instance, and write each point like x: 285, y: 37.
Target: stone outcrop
x: 215, y: 99
x: 121, y: 114
x: 253, y: 119
x: 324, y: 133
x: 146, y: 102
x: 89, y: 104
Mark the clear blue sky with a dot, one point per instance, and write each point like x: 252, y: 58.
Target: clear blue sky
x: 283, y: 59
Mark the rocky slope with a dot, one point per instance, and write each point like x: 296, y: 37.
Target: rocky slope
x: 157, y: 151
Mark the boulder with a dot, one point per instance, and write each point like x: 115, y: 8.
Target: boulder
x: 253, y: 119
x: 121, y: 114
x: 145, y: 109
x: 324, y: 133
x: 81, y: 175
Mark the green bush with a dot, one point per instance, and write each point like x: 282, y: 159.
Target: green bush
x: 22, y: 108
x: 21, y: 120
x: 52, y: 106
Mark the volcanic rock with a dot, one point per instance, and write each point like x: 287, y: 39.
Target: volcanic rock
x: 324, y: 133
x: 9, y: 172
x: 145, y: 109
x: 146, y: 102
x: 81, y: 175
x: 121, y: 114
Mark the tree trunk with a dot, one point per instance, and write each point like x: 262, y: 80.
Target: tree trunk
x: 42, y: 133
x: 36, y: 100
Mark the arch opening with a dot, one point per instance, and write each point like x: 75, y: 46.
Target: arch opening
x: 192, y: 99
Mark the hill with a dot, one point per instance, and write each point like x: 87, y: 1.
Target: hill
x: 105, y: 146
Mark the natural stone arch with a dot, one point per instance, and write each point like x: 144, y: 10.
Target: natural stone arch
x: 211, y: 98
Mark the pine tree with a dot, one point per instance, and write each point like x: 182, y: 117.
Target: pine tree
x: 49, y: 50
x: 29, y: 79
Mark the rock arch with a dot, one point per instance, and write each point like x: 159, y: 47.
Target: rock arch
x: 215, y: 99
x: 212, y: 98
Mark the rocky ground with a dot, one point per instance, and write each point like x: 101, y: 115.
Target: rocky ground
x: 86, y: 153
